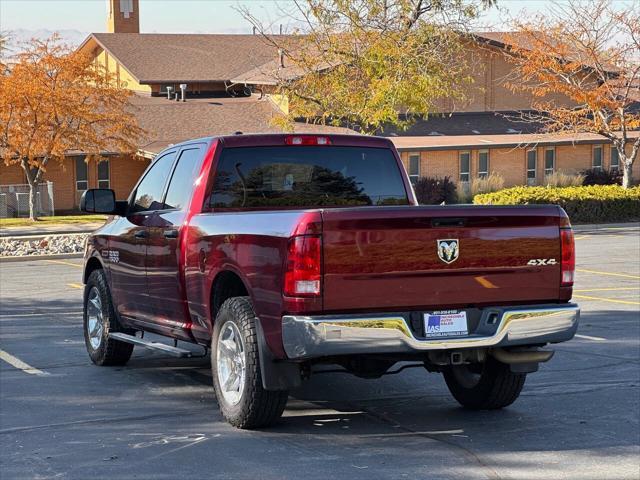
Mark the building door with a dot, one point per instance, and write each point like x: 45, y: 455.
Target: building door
x: 164, y: 254
x: 128, y: 245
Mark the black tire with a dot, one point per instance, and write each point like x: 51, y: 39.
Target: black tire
x: 255, y: 407
x: 488, y: 386
x: 107, y: 351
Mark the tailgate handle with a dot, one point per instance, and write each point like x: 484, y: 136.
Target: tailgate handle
x: 448, y: 222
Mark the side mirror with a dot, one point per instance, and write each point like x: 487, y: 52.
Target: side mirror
x: 99, y: 200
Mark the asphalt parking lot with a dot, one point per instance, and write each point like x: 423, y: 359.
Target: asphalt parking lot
x: 62, y: 417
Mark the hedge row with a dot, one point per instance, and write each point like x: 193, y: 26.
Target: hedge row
x: 586, y: 204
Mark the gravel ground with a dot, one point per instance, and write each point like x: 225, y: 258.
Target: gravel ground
x: 13, y: 247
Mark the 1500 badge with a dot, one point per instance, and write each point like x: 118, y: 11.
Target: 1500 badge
x: 542, y: 261
x: 112, y: 256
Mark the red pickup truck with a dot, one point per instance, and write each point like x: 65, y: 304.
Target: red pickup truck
x: 281, y: 252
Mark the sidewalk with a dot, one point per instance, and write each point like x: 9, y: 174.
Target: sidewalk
x: 49, y: 229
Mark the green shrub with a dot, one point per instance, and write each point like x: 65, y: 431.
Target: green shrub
x: 587, y: 204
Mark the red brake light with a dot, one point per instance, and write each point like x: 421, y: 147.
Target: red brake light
x: 568, y: 257
x: 306, y: 140
x: 302, y: 276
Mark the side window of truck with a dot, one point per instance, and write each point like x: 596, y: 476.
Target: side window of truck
x: 184, y: 174
x: 148, y: 195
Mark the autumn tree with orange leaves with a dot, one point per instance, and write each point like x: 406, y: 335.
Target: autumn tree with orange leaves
x: 54, y: 101
x: 589, y: 52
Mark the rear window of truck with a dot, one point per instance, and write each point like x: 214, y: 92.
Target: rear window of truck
x: 307, y: 176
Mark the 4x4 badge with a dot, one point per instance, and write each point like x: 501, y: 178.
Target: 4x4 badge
x: 448, y: 250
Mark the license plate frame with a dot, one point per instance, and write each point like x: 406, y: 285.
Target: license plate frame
x: 446, y: 323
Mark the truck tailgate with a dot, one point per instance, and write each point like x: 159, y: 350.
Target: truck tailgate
x: 387, y: 258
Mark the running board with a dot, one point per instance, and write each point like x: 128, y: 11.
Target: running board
x: 173, y: 351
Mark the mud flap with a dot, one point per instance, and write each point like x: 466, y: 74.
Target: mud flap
x: 276, y: 374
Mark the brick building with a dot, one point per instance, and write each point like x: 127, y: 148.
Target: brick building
x: 228, y: 87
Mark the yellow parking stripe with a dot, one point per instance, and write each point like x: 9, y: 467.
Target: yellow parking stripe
x: 74, y: 285
x: 19, y: 364
x: 610, y: 289
x: 625, y: 275
x: 484, y: 282
x: 612, y: 300
x: 62, y: 262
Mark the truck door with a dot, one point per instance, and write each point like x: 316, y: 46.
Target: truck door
x: 164, y: 254
x: 128, y: 246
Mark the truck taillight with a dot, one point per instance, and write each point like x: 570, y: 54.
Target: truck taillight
x: 306, y: 140
x: 568, y: 257
x: 302, y: 277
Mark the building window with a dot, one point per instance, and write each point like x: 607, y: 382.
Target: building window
x: 615, y: 159
x: 414, y: 167
x: 483, y: 163
x: 82, y: 173
x: 549, y: 160
x: 103, y: 173
x: 532, y: 160
x: 465, y: 166
x: 596, y: 161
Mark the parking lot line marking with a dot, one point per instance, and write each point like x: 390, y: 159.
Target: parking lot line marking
x: 19, y: 364
x: 75, y: 285
x: 588, y: 337
x: 612, y: 300
x: 610, y: 289
x: 63, y: 262
x: 597, y: 272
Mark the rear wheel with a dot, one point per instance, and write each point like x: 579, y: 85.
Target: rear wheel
x: 235, y: 369
x: 100, y: 319
x: 484, y: 386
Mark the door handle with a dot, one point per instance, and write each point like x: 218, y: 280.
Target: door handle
x: 171, y: 233
x: 141, y: 234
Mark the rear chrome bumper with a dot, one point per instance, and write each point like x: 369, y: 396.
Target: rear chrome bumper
x: 331, y: 335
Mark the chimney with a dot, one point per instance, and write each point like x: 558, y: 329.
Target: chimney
x: 183, y: 91
x: 169, y: 89
x: 281, y: 57
x: 254, y: 29
x: 280, y: 29
x: 123, y: 16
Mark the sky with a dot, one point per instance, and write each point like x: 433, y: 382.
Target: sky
x: 183, y: 16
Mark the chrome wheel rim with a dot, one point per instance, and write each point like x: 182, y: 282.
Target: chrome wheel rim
x: 95, y: 318
x: 230, y: 363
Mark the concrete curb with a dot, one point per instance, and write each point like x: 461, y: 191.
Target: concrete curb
x: 41, y: 233
x: 30, y: 258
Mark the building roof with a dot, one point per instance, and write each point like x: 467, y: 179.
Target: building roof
x: 175, y: 58
x: 168, y: 122
x: 466, y: 123
x: 185, y: 58
x: 461, y: 142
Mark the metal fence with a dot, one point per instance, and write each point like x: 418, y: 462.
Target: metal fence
x: 14, y: 200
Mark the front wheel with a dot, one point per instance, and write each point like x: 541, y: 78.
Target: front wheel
x: 484, y: 386
x: 99, y: 319
x: 235, y: 368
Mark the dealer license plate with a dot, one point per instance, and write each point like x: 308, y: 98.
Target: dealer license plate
x: 445, y: 324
